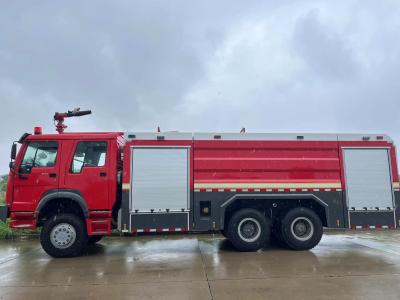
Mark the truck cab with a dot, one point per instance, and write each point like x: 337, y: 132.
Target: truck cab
x: 69, y: 175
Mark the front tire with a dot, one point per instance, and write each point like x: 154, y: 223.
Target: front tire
x: 64, y: 235
x: 301, y: 229
x: 248, y: 230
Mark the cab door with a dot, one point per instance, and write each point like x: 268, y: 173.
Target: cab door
x: 88, y: 172
x: 37, y: 174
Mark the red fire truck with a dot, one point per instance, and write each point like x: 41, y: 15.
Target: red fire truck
x: 250, y: 186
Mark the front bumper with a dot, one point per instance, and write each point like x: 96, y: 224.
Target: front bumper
x: 3, y: 212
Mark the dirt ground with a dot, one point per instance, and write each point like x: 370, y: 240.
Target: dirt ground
x: 345, y: 265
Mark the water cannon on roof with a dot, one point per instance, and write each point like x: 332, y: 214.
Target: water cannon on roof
x: 60, y: 117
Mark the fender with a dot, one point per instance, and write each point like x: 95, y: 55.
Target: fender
x: 267, y: 197
x: 65, y: 194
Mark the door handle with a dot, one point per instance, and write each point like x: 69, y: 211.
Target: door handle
x: 53, y: 175
x: 103, y: 174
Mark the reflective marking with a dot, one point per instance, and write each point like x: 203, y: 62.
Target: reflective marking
x: 126, y: 186
x: 268, y: 190
x: 372, y: 227
x: 276, y: 185
x: 171, y: 229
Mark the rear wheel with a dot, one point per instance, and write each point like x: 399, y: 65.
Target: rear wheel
x: 64, y: 235
x: 94, y: 239
x: 301, y: 229
x: 248, y: 230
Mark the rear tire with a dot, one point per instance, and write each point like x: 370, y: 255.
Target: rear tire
x: 64, y: 235
x: 301, y: 229
x: 94, y: 239
x: 248, y: 230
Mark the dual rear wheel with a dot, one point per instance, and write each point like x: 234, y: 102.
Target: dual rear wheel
x: 299, y: 229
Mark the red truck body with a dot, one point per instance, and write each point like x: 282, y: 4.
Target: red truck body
x: 174, y: 181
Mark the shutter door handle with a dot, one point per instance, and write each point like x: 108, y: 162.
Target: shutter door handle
x: 103, y: 174
x: 53, y: 175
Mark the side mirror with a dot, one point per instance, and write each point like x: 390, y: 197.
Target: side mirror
x: 11, y: 165
x: 13, y: 151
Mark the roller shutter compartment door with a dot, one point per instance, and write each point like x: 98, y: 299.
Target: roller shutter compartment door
x: 368, y: 179
x: 160, y: 179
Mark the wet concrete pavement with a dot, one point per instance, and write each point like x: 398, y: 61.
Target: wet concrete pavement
x: 345, y: 265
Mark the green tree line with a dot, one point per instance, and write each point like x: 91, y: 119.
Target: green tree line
x: 3, y: 187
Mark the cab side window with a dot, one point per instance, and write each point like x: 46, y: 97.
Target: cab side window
x: 39, y: 154
x: 89, y: 154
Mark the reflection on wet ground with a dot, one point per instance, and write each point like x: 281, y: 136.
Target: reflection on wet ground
x: 345, y: 265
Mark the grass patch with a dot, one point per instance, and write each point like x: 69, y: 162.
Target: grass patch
x: 5, y: 231
x: 8, y: 233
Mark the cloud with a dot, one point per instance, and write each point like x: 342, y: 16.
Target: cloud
x: 294, y: 66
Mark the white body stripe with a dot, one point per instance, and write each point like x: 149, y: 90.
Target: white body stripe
x: 271, y: 185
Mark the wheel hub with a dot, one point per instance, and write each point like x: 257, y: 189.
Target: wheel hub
x: 63, y: 235
x: 302, y: 228
x: 249, y: 229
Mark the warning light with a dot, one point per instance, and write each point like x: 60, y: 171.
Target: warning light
x: 37, y: 130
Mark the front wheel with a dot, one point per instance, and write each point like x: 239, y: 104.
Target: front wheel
x: 248, y: 230
x: 64, y: 235
x: 301, y: 229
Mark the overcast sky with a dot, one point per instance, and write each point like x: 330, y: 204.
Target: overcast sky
x: 271, y: 66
